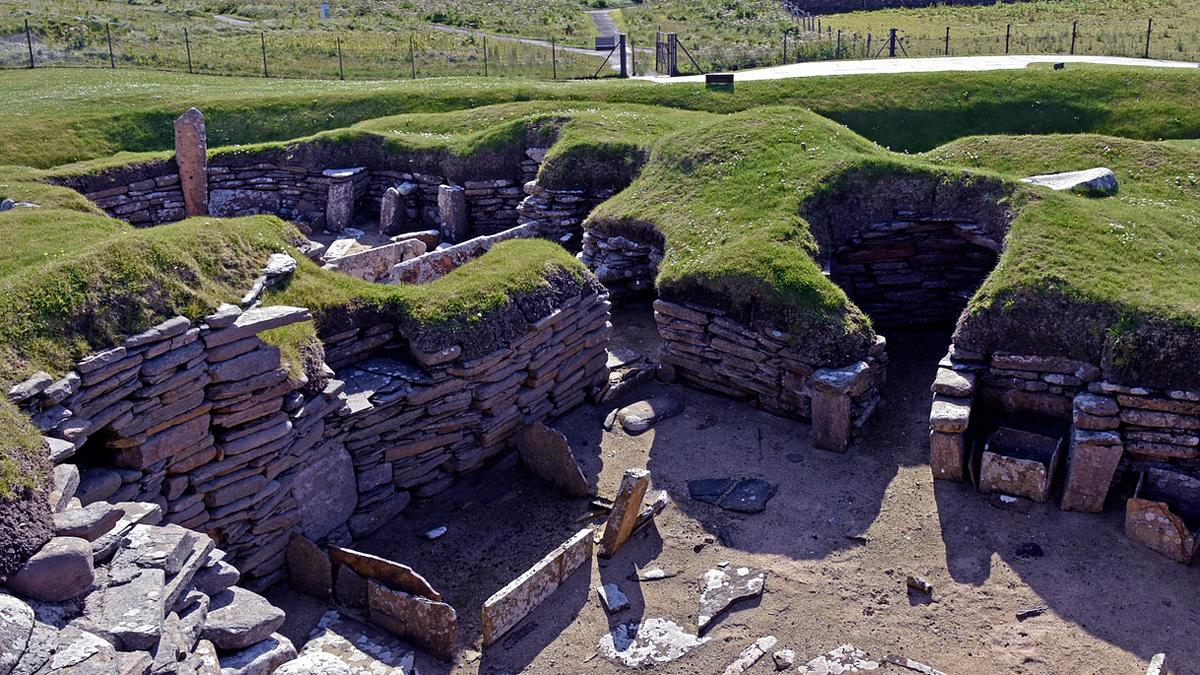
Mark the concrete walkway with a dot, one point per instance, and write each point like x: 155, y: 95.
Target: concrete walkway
x: 604, y: 22
x: 924, y: 65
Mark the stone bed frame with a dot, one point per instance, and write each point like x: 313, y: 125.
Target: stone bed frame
x: 1114, y: 433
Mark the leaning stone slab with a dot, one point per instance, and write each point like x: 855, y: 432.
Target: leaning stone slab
x: 191, y: 157
x: 88, y: 522
x: 432, y: 625
x: 389, y: 573
x: 720, y: 588
x: 1151, y: 524
x: 546, y: 453
x: 1089, y: 181
x: 750, y: 655
x: 626, y: 508
x: 508, y: 606
x: 309, y: 569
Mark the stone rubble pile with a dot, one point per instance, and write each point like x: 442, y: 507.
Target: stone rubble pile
x: 117, y: 590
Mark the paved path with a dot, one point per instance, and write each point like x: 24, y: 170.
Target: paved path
x: 924, y: 65
x: 603, y: 21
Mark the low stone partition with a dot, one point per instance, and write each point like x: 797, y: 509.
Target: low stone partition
x: 440, y: 262
x: 141, y: 194
x: 712, y: 351
x: 1117, y: 434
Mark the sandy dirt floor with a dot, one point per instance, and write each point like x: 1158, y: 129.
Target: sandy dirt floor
x: 838, y: 539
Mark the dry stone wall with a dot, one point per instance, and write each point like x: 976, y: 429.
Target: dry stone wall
x: 1118, y: 436
x: 201, y: 419
x: 710, y: 350
x: 626, y: 264
x: 143, y: 194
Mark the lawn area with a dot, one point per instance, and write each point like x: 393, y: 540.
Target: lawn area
x: 53, y: 117
x: 1108, y: 27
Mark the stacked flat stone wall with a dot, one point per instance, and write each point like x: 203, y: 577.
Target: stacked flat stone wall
x: 626, y: 264
x: 1116, y: 432
x: 144, y: 194
x: 561, y: 211
x: 412, y: 426
x: 712, y: 351
x: 203, y: 420
x: 913, y: 270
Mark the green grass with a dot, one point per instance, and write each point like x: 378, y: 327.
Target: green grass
x: 375, y: 37
x: 1108, y: 27
x: 59, y: 116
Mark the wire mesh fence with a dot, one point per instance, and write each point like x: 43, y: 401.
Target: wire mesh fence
x: 424, y: 52
x: 221, y: 48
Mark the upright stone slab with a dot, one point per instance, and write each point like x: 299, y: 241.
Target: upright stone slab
x: 392, y: 212
x: 508, y: 606
x: 452, y: 205
x: 1093, y: 460
x: 339, y: 207
x: 191, y: 155
x: 626, y: 508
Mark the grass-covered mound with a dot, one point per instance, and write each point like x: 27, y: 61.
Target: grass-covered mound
x: 1108, y: 280
x: 52, y: 117
x: 727, y: 200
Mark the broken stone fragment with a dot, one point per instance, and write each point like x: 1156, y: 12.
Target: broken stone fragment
x: 548, y: 455
x: 88, y: 522
x: 650, y: 642
x: 640, y: 416
x: 784, y: 659
x: 391, y: 574
x: 261, y: 658
x: 61, y: 570
x: 16, y: 629
x: 744, y: 496
x: 844, y: 659
x: 954, y: 383
x: 751, y: 655
x: 612, y: 598
x: 720, y: 588
x: 1151, y: 524
x: 238, y: 618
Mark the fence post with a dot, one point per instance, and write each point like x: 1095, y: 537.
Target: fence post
x: 112, y: 60
x: 837, y: 54
x: 868, y: 45
x: 1074, y: 26
x: 263, y: 37
x: 1007, y: 37
x: 624, y: 55
x: 632, y: 58
x: 785, y: 48
x: 1149, y: 28
x: 553, y: 59
x: 892, y: 43
x: 485, y: 63
x: 341, y: 68
x: 29, y: 43
x: 187, y: 44
x: 947, y: 41
x: 412, y: 56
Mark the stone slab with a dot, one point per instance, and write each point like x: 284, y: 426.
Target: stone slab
x: 546, y: 453
x: 508, y: 606
x: 626, y: 507
x: 431, y: 625
x: 391, y: 574
x: 191, y: 156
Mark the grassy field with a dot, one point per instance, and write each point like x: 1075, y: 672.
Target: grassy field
x: 1108, y: 27
x: 378, y: 39
x: 58, y: 116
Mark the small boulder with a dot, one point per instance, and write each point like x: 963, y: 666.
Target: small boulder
x: 61, y: 570
x: 261, y: 658
x: 88, y: 522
